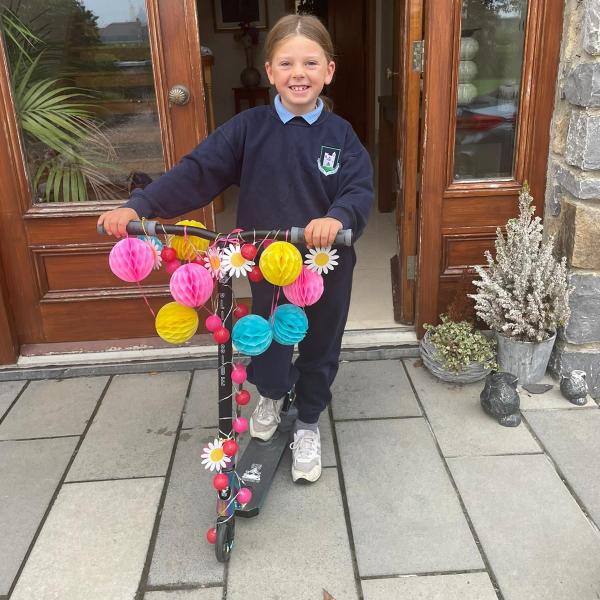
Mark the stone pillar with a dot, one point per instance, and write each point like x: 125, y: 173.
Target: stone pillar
x: 572, y: 208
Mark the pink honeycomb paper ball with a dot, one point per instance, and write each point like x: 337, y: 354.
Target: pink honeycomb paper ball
x: 131, y: 259
x: 306, y: 289
x: 191, y: 285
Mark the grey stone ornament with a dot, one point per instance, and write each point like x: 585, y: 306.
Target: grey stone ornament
x: 500, y: 398
x: 574, y: 387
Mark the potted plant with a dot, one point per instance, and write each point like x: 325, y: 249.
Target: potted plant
x: 456, y: 352
x: 523, y: 294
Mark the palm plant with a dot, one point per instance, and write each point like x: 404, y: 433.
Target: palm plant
x: 60, y: 118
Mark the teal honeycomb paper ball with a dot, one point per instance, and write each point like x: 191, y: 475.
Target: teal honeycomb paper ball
x: 290, y: 324
x: 252, y: 335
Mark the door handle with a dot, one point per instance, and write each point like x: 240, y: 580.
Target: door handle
x: 389, y: 73
x: 179, y: 95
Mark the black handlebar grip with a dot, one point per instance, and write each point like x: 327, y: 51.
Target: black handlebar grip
x: 135, y: 228
x: 343, y: 238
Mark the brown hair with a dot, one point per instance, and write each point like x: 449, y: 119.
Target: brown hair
x: 306, y: 25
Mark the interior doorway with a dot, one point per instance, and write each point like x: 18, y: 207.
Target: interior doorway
x: 363, y: 39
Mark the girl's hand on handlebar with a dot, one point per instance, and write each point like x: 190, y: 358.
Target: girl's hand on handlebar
x: 321, y: 233
x: 115, y: 221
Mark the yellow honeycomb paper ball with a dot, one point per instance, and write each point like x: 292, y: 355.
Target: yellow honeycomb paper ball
x: 281, y: 263
x: 176, y: 323
x: 187, y: 248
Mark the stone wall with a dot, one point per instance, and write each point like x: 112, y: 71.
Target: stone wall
x: 572, y: 208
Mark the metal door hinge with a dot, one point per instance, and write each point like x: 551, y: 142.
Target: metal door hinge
x: 411, y: 268
x: 418, y: 55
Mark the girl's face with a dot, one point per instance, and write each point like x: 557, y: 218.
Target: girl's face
x: 299, y: 69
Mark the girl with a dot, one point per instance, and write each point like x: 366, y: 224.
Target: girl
x: 296, y: 164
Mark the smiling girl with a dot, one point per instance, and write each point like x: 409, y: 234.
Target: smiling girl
x: 296, y: 164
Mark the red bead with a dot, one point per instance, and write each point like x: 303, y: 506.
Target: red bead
x: 249, y: 251
x: 213, y: 322
x: 242, y: 397
x: 241, y: 310
x: 230, y: 447
x: 220, y: 481
x: 168, y: 254
x: 211, y: 535
x: 255, y: 274
x: 221, y: 335
x: 172, y: 266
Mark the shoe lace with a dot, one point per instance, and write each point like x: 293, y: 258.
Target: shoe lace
x: 266, y: 410
x: 306, y: 446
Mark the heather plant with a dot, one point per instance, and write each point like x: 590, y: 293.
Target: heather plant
x: 524, y: 292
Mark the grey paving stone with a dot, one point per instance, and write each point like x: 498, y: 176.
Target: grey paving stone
x: 548, y: 400
x: 213, y: 593
x: 462, y: 586
x: 201, y: 410
x: 373, y: 389
x: 9, y: 390
x: 53, y: 407
x: 133, y: 432
x: 94, y: 542
x: 538, y: 542
x: 458, y: 421
x: 182, y: 555
x: 296, y: 547
x: 406, y: 517
x: 571, y: 438
x: 29, y: 473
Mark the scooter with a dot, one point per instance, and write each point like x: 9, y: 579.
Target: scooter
x: 258, y: 464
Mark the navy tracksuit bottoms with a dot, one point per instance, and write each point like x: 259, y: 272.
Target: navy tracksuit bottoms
x: 313, y: 372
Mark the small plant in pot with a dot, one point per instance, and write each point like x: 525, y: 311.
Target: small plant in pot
x: 523, y: 294
x: 456, y: 352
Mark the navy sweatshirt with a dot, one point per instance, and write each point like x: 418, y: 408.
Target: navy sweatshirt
x: 288, y: 174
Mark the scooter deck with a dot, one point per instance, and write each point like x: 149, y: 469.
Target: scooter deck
x: 258, y: 465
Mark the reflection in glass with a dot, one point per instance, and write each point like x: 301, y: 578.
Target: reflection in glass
x: 489, y: 76
x: 84, y: 96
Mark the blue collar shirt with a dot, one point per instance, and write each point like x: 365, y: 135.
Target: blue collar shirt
x: 285, y: 115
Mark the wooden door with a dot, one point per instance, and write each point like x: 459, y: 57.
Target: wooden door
x: 487, y: 110
x: 406, y: 107
x: 57, y: 283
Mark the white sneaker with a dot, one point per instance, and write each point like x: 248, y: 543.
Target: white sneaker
x: 265, y: 418
x: 306, y: 454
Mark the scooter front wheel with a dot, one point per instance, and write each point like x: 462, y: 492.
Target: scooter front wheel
x: 225, y: 535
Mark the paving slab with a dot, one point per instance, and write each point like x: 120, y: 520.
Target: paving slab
x: 550, y: 399
x: 373, y: 389
x: 181, y: 554
x: 94, y: 542
x: 538, y: 542
x: 134, y: 429
x: 213, y: 593
x: 201, y: 411
x: 53, y: 407
x: 29, y: 474
x: 571, y: 438
x: 405, y: 514
x: 9, y: 390
x: 458, y: 421
x: 460, y: 586
x: 296, y: 547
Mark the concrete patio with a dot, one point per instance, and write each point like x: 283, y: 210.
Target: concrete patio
x: 423, y: 496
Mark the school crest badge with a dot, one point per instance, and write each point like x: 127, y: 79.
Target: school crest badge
x: 329, y: 161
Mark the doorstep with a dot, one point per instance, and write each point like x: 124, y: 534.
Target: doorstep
x: 46, y: 361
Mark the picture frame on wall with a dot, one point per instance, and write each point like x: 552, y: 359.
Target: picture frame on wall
x: 228, y: 14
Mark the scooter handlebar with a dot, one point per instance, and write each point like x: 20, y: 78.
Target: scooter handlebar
x: 296, y: 234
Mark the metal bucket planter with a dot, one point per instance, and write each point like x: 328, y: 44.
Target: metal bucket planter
x: 527, y: 360
x: 474, y: 371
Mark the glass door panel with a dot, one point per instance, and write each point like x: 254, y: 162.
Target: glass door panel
x: 83, y: 87
x: 489, y: 77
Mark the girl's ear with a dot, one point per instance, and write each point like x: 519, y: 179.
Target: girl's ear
x: 269, y: 71
x: 330, y: 72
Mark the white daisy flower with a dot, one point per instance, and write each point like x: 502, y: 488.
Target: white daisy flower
x: 156, y: 246
x: 214, y: 456
x: 213, y: 261
x: 233, y: 263
x: 321, y: 260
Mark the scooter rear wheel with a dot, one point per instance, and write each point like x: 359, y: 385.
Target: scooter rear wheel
x: 225, y: 535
